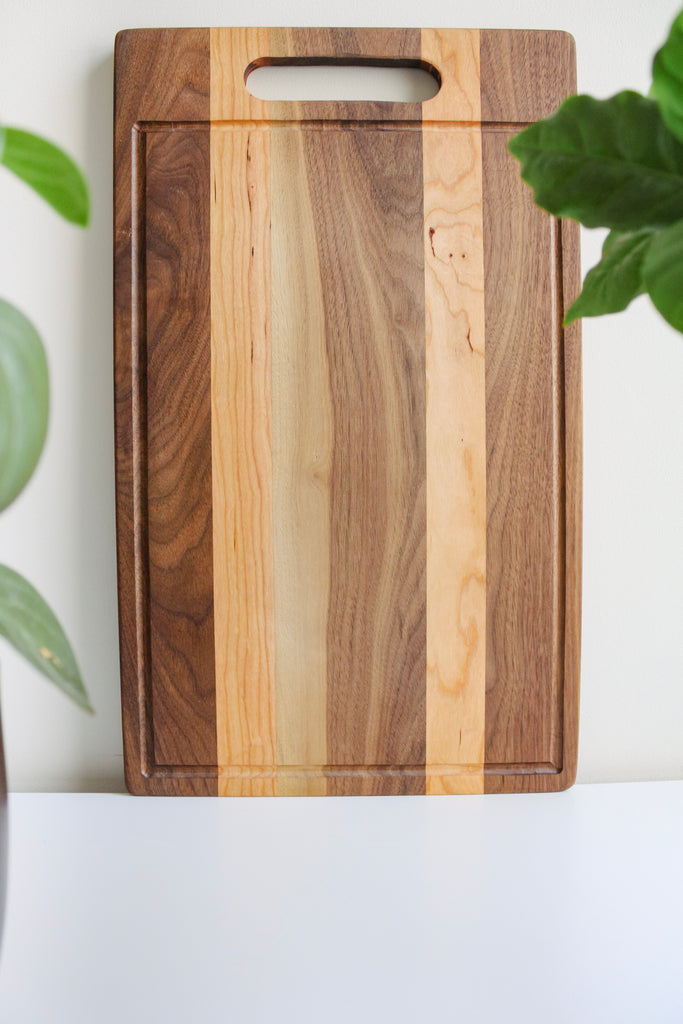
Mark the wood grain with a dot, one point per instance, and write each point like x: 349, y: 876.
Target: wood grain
x: 456, y: 428
x: 365, y: 195
x: 524, y: 537
x: 572, y: 427
x: 164, y: 551
x: 347, y: 45
x: 179, y: 447
x: 528, y: 744
x: 525, y: 75
x: 303, y: 428
x: 241, y: 445
x: 454, y: 52
x: 348, y: 422
x: 233, y: 51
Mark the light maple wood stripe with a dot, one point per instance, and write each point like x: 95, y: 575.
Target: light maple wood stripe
x: 241, y: 438
x: 233, y: 50
x: 303, y: 432
x: 456, y: 424
x: 454, y: 52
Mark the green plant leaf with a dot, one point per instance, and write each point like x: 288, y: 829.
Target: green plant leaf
x: 607, y: 163
x: 667, y: 78
x: 23, y: 401
x: 48, y: 170
x: 610, y: 286
x: 31, y: 627
x: 663, y: 273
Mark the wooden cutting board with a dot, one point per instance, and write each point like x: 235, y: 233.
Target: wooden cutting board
x: 348, y: 422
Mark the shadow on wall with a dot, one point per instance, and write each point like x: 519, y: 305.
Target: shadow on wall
x: 96, y: 569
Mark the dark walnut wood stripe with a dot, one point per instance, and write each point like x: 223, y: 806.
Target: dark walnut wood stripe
x: 524, y: 551
x: 308, y: 45
x: 525, y: 75
x: 163, y: 433
x: 179, y: 447
x: 366, y: 193
x: 529, y: 695
x: 364, y: 189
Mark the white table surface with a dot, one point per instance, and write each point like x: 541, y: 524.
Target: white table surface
x: 555, y: 908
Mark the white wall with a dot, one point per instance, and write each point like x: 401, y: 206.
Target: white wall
x: 55, y: 78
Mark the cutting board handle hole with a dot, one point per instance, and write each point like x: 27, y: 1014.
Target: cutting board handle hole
x: 311, y: 80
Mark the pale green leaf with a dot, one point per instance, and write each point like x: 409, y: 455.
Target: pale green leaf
x: 23, y: 401
x: 31, y: 627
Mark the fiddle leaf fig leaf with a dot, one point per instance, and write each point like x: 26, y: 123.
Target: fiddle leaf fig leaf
x: 607, y: 163
x: 23, y: 401
x: 31, y: 627
x: 663, y: 273
x: 667, y: 78
x: 617, y: 278
x: 48, y: 170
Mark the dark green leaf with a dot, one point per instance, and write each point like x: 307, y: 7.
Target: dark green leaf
x: 30, y: 626
x: 23, y: 401
x: 607, y: 163
x: 667, y: 78
x: 48, y: 170
x: 616, y: 279
x: 663, y: 273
